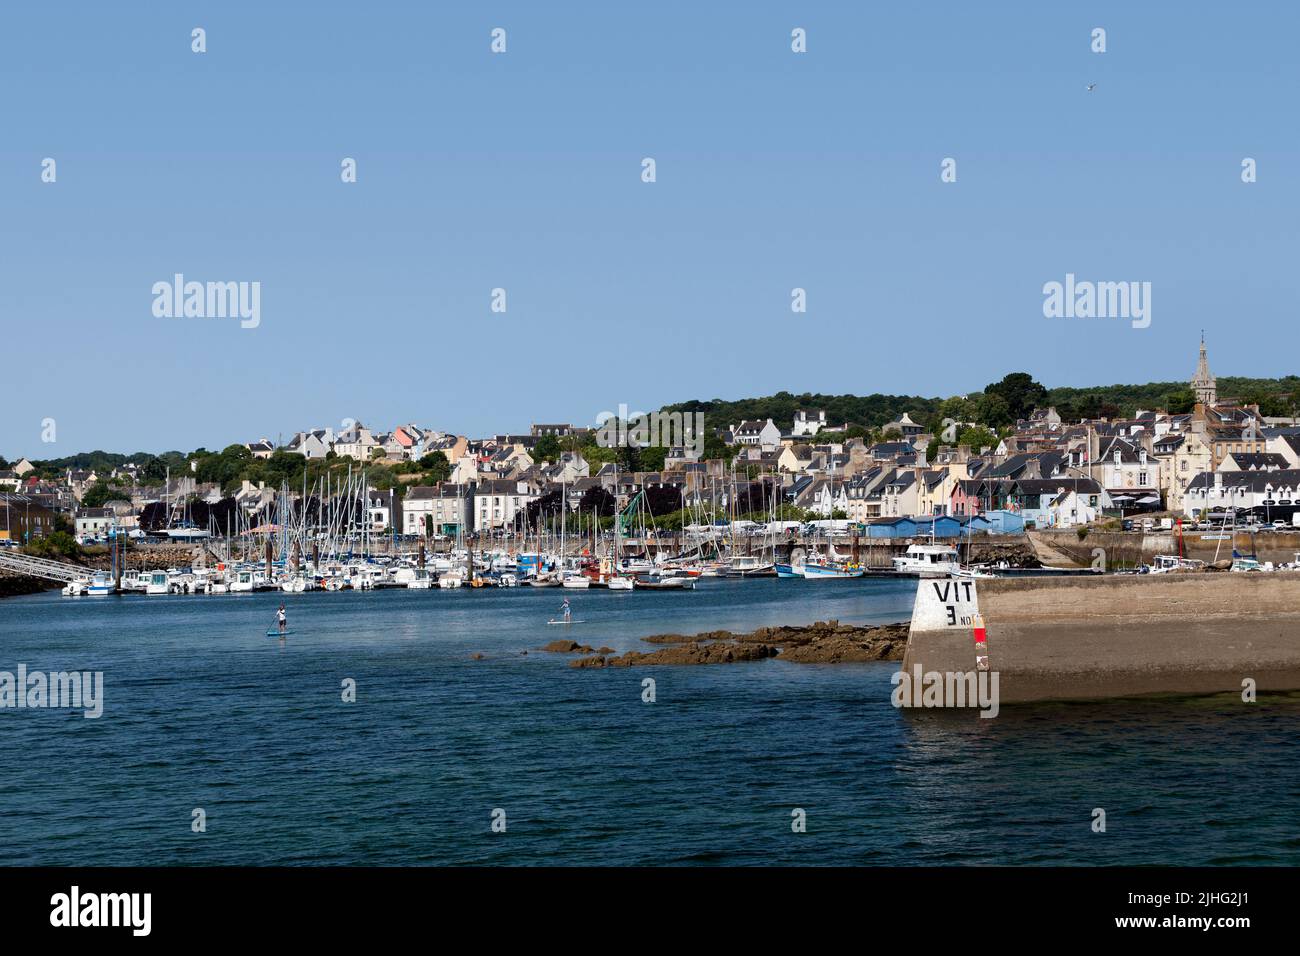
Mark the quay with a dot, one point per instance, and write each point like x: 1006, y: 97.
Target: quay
x: 1114, y: 635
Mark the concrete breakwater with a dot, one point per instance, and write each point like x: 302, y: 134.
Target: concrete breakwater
x: 1119, y: 549
x: 1115, y: 636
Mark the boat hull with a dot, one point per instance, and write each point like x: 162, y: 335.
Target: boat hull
x: 813, y: 572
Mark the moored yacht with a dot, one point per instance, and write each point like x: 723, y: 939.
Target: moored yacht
x: 100, y: 584
x: 929, y: 561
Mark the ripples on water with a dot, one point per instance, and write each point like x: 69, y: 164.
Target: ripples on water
x: 202, y: 710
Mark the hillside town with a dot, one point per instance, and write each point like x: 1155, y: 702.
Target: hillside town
x: 1221, y: 458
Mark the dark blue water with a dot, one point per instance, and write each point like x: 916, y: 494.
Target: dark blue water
x: 203, y: 710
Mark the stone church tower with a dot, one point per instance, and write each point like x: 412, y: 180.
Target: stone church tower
x: 1203, y: 385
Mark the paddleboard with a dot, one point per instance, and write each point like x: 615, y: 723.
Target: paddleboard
x: 276, y: 632
x: 566, y: 622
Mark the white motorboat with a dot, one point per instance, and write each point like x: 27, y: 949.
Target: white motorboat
x: 100, y: 584
x: 1168, y: 563
x: 135, y: 581
x: 618, y: 582
x: 293, y: 584
x: 746, y: 564
x: 973, y: 573
x: 927, y: 561
x: 656, y: 582
x: 419, y: 580
x: 637, y: 566
x: 452, y: 579
x: 158, y: 583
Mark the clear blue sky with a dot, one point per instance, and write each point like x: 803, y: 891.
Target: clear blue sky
x: 522, y: 171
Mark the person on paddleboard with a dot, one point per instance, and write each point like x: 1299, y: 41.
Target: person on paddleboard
x: 281, y: 619
x: 565, y: 608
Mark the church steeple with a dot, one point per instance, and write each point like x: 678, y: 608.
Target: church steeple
x: 1203, y: 384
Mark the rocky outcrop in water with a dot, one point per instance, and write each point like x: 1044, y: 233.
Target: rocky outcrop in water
x: 826, y: 642
x: 567, y: 647
x: 12, y: 585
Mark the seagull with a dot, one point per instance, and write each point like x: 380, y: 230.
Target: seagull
x: 1091, y: 87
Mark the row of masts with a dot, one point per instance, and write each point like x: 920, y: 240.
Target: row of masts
x: 332, y: 516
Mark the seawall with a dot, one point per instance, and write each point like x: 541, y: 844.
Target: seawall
x: 1114, y: 636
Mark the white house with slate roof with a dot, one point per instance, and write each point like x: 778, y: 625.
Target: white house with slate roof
x: 808, y: 421
x: 764, y: 434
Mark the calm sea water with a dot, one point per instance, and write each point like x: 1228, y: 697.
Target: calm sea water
x: 203, y: 710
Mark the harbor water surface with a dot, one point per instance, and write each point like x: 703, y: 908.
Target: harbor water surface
x: 202, y: 710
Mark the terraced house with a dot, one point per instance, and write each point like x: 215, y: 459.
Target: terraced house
x: 496, y: 502
x: 23, y: 519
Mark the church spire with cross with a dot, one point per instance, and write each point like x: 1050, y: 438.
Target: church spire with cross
x: 1203, y: 384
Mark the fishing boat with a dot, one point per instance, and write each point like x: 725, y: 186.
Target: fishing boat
x: 794, y: 567
x: 829, y: 570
